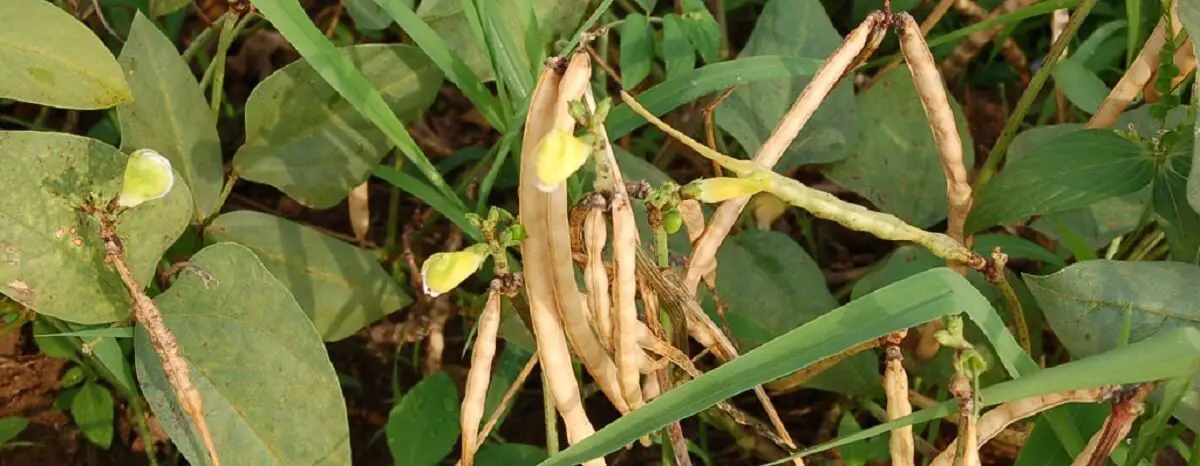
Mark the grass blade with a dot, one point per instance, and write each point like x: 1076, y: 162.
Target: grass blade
x: 291, y: 20
x: 699, y: 82
x: 428, y: 195
x: 455, y: 68
x: 904, y: 304
x: 1167, y: 355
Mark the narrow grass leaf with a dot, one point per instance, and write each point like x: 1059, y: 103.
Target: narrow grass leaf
x: 423, y: 427
x: 305, y: 139
x: 451, y: 64
x: 672, y: 93
x: 341, y: 287
x: 1170, y: 354
x: 50, y: 58
x: 51, y: 256
x: 170, y: 115
x: 637, y: 50
x: 367, y: 15
x: 1074, y: 170
x: 511, y: 60
x: 258, y: 363
x: 291, y: 20
x: 429, y: 196
x: 907, y: 303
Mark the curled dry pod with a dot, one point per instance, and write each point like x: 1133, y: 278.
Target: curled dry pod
x: 148, y: 176
x: 443, y: 271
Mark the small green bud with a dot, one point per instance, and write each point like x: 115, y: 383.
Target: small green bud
x: 602, y: 109
x: 672, y: 221
x: 578, y: 111
x: 513, y: 235
x: 443, y: 271
x: 558, y: 156
x: 72, y: 377
x: 148, y: 176
x: 475, y: 220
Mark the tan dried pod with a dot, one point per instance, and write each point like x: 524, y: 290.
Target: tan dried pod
x: 479, y: 377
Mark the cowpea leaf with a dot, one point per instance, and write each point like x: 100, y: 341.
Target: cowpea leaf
x: 677, y: 53
x: 1179, y: 222
x: 92, y: 410
x: 423, y: 426
x: 342, y: 288
x: 51, y: 58
x: 170, y: 115
x: 51, y: 256
x: 637, y: 50
x: 1074, y: 170
x: 896, y: 165
x: 271, y: 396
x: 796, y: 29
x: 305, y: 139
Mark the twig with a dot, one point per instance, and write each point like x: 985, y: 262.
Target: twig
x: 895, y: 386
x: 965, y: 51
x: 162, y: 339
x: 1135, y: 77
x: 822, y: 204
x: 995, y: 421
x: 1014, y: 303
x: 1116, y: 426
x: 704, y: 250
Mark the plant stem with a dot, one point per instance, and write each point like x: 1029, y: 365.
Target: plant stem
x: 1026, y: 101
x: 201, y: 40
x: 393, y: 220
x: 225, y: 191
x: 228, y: 32
x: 550, y: 417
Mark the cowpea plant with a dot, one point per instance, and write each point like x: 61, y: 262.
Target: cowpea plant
x: 84, y: 245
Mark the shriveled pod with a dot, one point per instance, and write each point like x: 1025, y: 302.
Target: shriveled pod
x: 479, y: 377
x: 595, y: 236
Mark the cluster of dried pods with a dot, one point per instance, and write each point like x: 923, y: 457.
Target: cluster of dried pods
x: 628, y: 358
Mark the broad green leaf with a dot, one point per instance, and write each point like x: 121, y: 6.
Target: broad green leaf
x: 637, y: 50
x: 367, y: 15
x: 1088, y: 303
x: 92, y: 410
x: 423, y: 427
x: 1096, y: 224
x: 864, y: 452
x: 702, y: 30
x: 772, y: 286
x: 672, y: 93
x: 270, y: 393
x: 1091, y: 305
x: 165, y: 7
x: 52, y: 256
x: 801, y: 29
x: 677, y: 53
x: 907, y: 303
x: 1081, y: 86
x: 11, y: 427
x: 170, y: 115
x: 342, y: 288
x: 1174, y: 214
x: 340, y: 72
x: 1074, y: 170
x: 509, y: 454
x: 51, y: 58
x: 895, y: 165
x: 1193, y: 182
x: 304, y: 139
